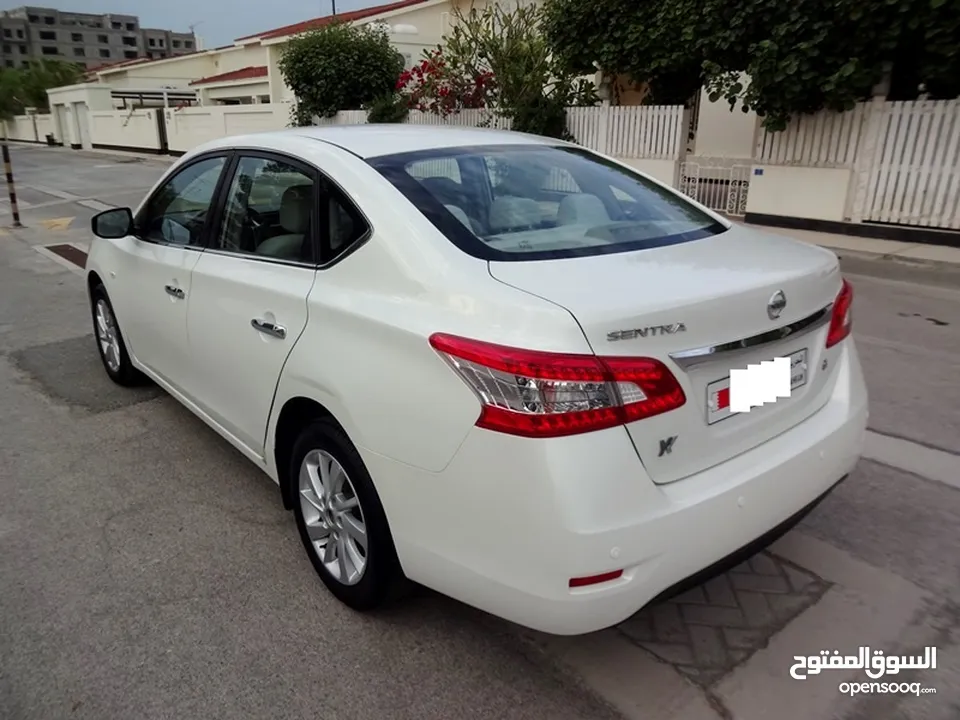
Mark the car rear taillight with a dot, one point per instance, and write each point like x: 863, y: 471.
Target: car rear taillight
x: 540, y: 394
x: 842, y: 319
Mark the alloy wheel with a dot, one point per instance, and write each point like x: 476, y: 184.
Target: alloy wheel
x: 333, y: 517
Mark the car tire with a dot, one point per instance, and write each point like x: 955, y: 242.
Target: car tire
x: 109, y: 339
x: 328, y: 523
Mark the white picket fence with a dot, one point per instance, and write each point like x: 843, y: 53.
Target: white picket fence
x: 912, y: 175
x: 904, y: 158
x: 825, y: 139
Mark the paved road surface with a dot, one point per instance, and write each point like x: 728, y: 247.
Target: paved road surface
x: 148, y: 571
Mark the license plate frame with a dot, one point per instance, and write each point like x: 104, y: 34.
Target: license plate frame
x: 799, y: 376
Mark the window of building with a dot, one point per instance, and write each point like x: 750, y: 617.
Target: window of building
x: 104, y: 53
x: 175, y: 43
x: 160, y: 42
x: 152, y: 42
x: 7, y: 49
x: 49, y: 20
x: 76, y: 37
x: 33, y: 18
x: 78, y: 52
x: 7, y: 33
x: 188, y: 44
x: 47, y: 50
x: 19, y: 34
x: 132, y: 27
x: 23, y: 49
x: 48, y: 35
x: 102, y: 39
x: 130, y: 54
x: 116, y: 25
x: 130, y: 41
x: 9, y: 63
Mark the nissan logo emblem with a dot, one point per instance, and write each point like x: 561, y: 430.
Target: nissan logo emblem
x: 776, y: 305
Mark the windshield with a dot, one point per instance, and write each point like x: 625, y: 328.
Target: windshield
x: 534, y: 202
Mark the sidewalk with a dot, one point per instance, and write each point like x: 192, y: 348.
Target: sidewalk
x: 885, y: 249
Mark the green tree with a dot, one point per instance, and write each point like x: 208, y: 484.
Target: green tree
x: 27, y: 87
x: 528, y: 86
x: 42, y: 75
x: 798, y: 57
x: 339, y: 67
x: 10, y: 94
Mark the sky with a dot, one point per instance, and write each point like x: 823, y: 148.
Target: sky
x: 218, y: 22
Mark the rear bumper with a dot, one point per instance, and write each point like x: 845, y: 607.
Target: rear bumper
x: 509, y: 522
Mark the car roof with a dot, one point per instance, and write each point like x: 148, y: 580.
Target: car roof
x: 373, y: 140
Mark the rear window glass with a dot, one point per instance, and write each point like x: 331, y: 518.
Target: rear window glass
x: 534, y: 202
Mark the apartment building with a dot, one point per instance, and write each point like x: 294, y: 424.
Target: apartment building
x: 28, y: 33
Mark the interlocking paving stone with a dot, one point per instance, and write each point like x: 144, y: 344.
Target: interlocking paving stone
x: 708, y: 630
x: 70, y: 372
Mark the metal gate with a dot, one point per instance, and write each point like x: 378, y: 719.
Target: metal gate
x: 720, y: 185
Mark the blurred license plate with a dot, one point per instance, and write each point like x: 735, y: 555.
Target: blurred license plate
x: 718, y: 392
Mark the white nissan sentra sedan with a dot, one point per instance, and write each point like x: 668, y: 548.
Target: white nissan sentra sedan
x: 494, y: 364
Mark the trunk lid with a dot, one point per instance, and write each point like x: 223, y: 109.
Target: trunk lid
x: 711, y: 293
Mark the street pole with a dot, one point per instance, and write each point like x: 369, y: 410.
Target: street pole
x: 334, y: 4
x: 8, y: 169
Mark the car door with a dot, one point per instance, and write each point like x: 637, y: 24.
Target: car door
x: 248, y: 303
x: 152, y: 280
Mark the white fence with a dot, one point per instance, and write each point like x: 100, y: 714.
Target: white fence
x: 820, y: 140
x: 133, y: 129
x: 885, y: 162
x: 30, y: 128
x: 912, y: 171
x: 656, y: 132
x: 903, y: 158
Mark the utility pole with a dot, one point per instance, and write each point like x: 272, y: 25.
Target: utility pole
x: 334, y: 4
x: 8, y: 169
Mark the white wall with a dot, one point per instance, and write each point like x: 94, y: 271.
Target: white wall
x: 22, y: 127
x: 236, y: 90
x: 190, y: 127
x: 174, y: 72
x: 135, y: 129
x: 722, y: 132
x: 236, y: 58
x: 71, y: 105
x: 802, y: 192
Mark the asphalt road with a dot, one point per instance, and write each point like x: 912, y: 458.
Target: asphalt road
x: 148, y: 571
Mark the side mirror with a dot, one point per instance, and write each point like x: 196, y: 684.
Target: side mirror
x: 112, y: 224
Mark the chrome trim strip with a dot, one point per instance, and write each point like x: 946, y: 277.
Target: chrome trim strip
x: 688, y: 358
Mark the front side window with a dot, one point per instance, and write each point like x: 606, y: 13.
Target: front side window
x: 536, y: 202
x: 269, y: 211
x: 178, y: 212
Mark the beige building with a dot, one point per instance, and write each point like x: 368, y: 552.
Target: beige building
x: 247, y: 72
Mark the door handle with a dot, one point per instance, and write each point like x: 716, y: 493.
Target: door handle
x: 269, y: 328
x: 175, y: 291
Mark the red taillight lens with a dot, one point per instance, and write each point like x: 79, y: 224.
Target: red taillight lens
x: 539, y: 394
x: 842, y: 319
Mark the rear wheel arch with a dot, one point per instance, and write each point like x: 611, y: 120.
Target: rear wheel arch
x: 296, y: 413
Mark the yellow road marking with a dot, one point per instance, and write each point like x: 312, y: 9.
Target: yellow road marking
x: 57, y: 223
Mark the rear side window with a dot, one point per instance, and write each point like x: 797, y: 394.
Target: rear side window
x: 535, y: 202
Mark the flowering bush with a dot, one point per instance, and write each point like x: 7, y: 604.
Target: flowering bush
x: 433, y: 86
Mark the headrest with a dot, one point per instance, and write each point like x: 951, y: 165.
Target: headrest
x: 295, y: 206
x: 582, y: 209
x: 510, y: 212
